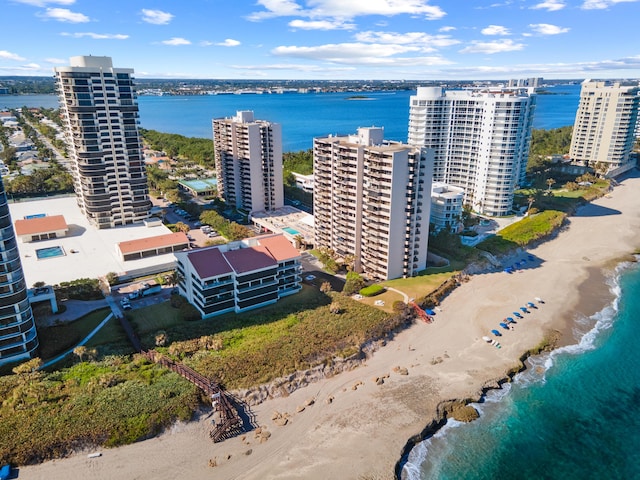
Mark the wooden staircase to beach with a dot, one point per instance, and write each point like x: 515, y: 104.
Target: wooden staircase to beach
x: 230, y: 422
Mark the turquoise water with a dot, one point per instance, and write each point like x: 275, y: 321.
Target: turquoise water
x: 573, y: 414
x: 49, y: 252
x: 291, y: 231
x: 304, y: 116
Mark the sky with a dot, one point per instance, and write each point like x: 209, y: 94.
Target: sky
x: 328, y: 39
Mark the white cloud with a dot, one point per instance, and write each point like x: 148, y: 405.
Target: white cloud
x: 362, y: 54
x: 547, y: 29
x: 42, y: 3
x: 96, y: 36
x: 424, y: 40
x: 447, y: 29
x: 495, y: 30
x: 156, y: 17
x: 176, y: 41
x: 4, y: 54
x: 229, y: 42
x: 497, y: 46
x: 321, y: 25
x: 602, y: 4
x: 341, y: 9
x: 55, y: 61
x: 64, y: 15
x: 550, y: 5
x: 205, y: 43
x: 276, y: 8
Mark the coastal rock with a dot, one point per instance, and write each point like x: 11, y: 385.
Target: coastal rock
x: 464, y: 413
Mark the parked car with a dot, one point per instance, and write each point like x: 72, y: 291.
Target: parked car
x: 126, y: 305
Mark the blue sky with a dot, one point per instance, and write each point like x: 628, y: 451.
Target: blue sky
x: 328, y: 39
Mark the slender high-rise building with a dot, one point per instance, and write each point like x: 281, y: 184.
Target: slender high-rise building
x: 371, y: 202
x: 100, y: 112
x: 248, y: 155
x: 480, y: 139
x: 604, y: 130
x: 18, y: 336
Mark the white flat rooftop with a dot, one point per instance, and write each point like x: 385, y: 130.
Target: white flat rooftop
x: 95, y: 250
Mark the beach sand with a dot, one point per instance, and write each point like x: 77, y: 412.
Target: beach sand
x: 363, y: 430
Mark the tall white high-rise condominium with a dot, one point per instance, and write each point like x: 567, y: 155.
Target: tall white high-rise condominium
x: 248, y: 155
x: 480, y: 139
x: 100, y: 112
x: 371, y: 202
x: 18, y: 336
x: 604, y: 130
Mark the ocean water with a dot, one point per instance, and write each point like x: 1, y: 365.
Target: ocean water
x: 304, y: 116
x: 574, y: 414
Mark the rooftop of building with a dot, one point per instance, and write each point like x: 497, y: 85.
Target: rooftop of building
x: 37, y: 224
x: 151, y: 243
x: 250, y: 254
x: 86, y: 251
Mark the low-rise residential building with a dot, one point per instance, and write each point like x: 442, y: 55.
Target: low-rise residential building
x: 446, y: 206
x: 303, y: 182
x: 239, y: 276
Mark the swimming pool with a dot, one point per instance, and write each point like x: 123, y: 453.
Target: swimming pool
x: 49, y: 252
x: 291, y: 231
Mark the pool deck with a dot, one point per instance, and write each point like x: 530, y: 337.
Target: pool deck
x: 287, y: 217
x: 89, y: 252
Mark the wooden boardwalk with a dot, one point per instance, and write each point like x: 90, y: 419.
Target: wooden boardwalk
x: 230, y: 422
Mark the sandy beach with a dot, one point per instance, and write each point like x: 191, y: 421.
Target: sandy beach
x: 352, y: 427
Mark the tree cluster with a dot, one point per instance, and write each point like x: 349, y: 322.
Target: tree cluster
x: 198, y: 150
x: 229, y: 230
x: 54, y: 179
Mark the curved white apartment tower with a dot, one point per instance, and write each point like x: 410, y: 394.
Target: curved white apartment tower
x: 99, y: 108
x: 480, y: 140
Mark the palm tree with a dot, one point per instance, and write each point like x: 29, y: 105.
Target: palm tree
x: 80, y: 351
x: 550, y: 182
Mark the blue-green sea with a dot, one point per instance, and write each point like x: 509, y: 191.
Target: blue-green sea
x: 573, y: 414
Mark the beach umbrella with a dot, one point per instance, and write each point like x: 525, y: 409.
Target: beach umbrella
x: 531, y: 258
x: 532, y: 305
x: 429, y: 312
x: 524, y: 310
x: 487, y: 339
x: 517, y: 314
x: 504, y: 325
x: 496, y: 333
x: 510, y: 320
x: 539, y: 300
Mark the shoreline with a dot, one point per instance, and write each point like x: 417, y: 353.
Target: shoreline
x: 597, y: 277
x: 357, y: 424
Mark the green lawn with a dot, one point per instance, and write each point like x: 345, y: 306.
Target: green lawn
x: 417, y: 287
x: 55, y: 340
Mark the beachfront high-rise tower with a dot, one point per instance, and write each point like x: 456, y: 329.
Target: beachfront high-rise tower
x: 248, y: 155
x: 371, y: 202
x: 604, y: 130
x: 18, y: 336
x: 100, y: 113
x: 480, y: 139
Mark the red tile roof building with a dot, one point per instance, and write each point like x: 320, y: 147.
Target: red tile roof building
x: 239, y: 276
x: 151, y: 246
x: 41, y: 228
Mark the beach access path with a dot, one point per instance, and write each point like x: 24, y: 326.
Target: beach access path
x: 357, y: 426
